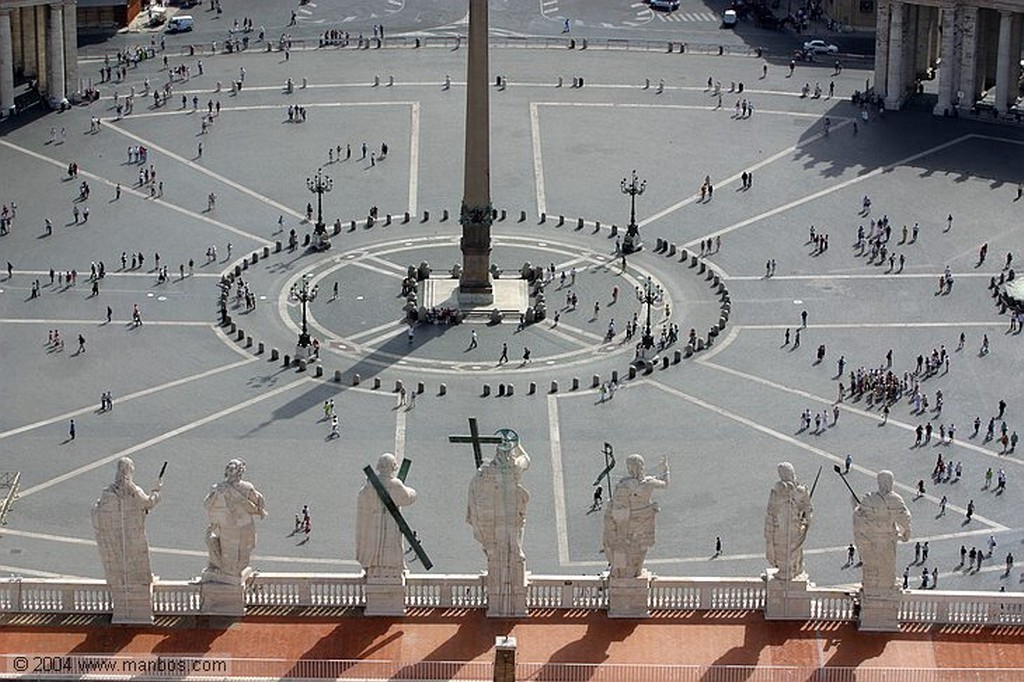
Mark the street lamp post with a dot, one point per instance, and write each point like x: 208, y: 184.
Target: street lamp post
x: 303, y: 293
x: 633, y: 188
x: 320, y: 184
x: 648, y: 295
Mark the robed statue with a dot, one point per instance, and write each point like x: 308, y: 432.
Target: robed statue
x: 378, y: 539
x: 786, y: 524
x: 232, y: 507
x: 629, y: 519
x: 880, y: 519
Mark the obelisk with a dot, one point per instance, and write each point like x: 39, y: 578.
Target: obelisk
x: 476, y: 214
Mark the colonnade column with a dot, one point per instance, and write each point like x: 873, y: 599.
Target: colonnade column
x: 894, y: 77
x: 969, y: 52
x: 71, y: 45
x: 55, y: 53
x: 948, y: 64
x: 882, y: 47
x: 1003, y: 61
x: 6, y: 63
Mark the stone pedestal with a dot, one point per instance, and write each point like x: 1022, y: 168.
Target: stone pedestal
x: 787, y: 599
x: 504, y: 659
x: 632, y: 243
x: 879, y: 613
x: 222, y: 599
x: 507, y: 601
x: 133, y: 605
x: 628, y: 597
x: 385, y: 596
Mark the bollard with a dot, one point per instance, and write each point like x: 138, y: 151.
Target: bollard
x: 722, y: 322
x: 579, y: 224
x: 672, y: 249
x: 356, y: 379
x: 255, y: 257
x: 511, y: 390
x: 376, y: 81
x: 702, y: 269
x: 503, y: 215
x: 632, y: 371
x: 406, y: 218
x: 677, y: 357
x: 533, y: 388
x: 615, y: 376
x: 352, y: 226
x: 721, y: 50
x: 693, y: 261
x: 444, y: 215
x: 387, y: 219
x: 561, y: 220
x: 700, y: 344
x: 266, y: 251
x: 688, y: 351
x: 683, y: 255
x: 575, y: 383
x: 232, y: 327
x: 583, y: 48
x: 664, y: 362
x: 273, y: 355
x: 305, y: 242
x: 595, y: 381
x: 597, y: 226
x: 522, y: 216
x: 248, y: 342
x: 501, y: 389
x: 442, y: 389
x: 554, y: 387
x: 319, y: 370
x: 615, y: 229
x: 487, y: 390
x: 658, y: 245
x: 286, y: 361
x: 238, y: 271
x: 376, y: 383
x: 259, y: 348
x: 647, y: 84
x: 559, y: 82
x: 420, y: 387
x: 543, y: 217
x: 337, y: 376
x: 398, y: 386
x: 426, y: 216
x: 391, y: 81
x: 241, y: 335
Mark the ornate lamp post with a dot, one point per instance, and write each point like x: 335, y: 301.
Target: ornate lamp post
x: 319, y: 185
x: 633, y: 188
x: 648, y: 295
x: 304, y: 294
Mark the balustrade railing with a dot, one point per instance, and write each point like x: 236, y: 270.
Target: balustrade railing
x: 347, y: 590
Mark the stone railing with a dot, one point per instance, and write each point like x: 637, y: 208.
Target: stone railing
x: 467, y: 591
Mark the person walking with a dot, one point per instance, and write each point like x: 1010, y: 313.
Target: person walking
x: 473, y: 342
x: 504, y: 354
x: 71, y: 430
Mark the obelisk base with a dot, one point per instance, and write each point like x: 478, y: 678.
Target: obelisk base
x: 629, y: 597
x: 133, y: 605
x: 385, y: 596
x: 879, y: 612
x: 787, y: 599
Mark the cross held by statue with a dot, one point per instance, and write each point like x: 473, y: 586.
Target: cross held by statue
x: 476, y: 439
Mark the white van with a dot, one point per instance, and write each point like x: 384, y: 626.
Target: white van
x: 180, y: 23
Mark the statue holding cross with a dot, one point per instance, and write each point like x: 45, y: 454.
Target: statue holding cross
x: 497, y: 512
x: 378, y: 536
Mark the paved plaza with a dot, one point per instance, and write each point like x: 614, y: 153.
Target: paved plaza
x: 185, y: 391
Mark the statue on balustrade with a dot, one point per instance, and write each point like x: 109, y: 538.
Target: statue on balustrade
x: 629, y: 519
x: 119, y: 519
x: 378, y: 539
x: 786, y: 524
x: 231, y: 507
x: 497, y: 513
x: 880, y: 519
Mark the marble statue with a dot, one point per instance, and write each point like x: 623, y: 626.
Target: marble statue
x: 119, y: 519
x: 497, y: 512
x: 629, y: 518
x: 378, y: 540
x: 879, y: 520
x: 786, y: 524
x: 231, y: 507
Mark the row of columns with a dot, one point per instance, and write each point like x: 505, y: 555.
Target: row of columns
x: 965, y: 61
x: 59, y: 71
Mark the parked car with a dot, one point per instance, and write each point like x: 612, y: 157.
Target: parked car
x: 666, y: 5
x: 820, y: 47
x: 729, y: 18
x: 180, y: 23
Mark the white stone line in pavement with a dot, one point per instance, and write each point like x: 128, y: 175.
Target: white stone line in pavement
x: 880, y: 275
x: 829, y: 190
x: 254, y: 107
x: 786, y: 438
x: 400, y: 413
x: 381, y: 339
x: 397, y: 267
x: 414, y: 158
x: 148, y: 323
x: 361, y: 263
x: 215, y: 176
x: 847, y: 407
x: 394, y: 324
x: 185, y: 428
x: 875, y: 325
x: 558, y: 482
x: 68, y: 540
x: 129, y: 189
x: 538, y: 162
x: 119, y: 273
x: 122, y: 399
x: 17, y: 571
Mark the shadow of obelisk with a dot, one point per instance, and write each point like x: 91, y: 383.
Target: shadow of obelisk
x: 475, y: 287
